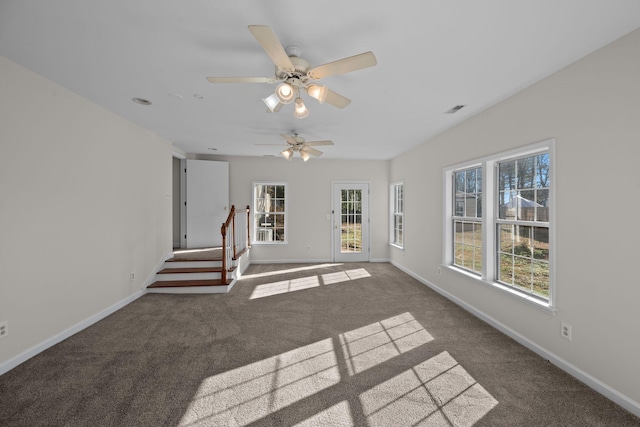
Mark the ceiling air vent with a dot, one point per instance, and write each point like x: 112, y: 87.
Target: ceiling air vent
x: 454, y: 109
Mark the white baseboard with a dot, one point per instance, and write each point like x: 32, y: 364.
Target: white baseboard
x: 290, y: 261
x: 309, y: 261
x: 23, y: 357
x: 243, y: 268
x: 594, y: 383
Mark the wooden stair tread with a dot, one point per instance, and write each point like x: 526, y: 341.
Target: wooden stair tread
x: 190, y: 270
x: 174, y: 259
x: 188, y: 283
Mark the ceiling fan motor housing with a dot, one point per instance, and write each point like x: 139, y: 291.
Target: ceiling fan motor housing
x: 300, y: 70
x: 295, y: 72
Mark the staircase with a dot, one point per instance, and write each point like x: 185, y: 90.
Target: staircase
x: 192, y: 275
x: 207, y: 270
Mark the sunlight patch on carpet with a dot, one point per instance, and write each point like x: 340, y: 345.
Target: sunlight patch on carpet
x: 193, y: 251
x: 344, y: 276
x: 284, y: 286
x: 292, y: 285
x: 288, y: 270
x: 338, y: 415
x: 378, y: 342
x: 435, y: 392
x: 244, y: 395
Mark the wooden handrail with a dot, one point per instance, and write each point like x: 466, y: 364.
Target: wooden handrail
x: 232, y: 212
x: 230, y: 223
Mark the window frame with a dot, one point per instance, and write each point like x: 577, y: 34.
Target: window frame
x: 394, y: 213
x: 257, y: 213
x: 466, y: 219
x: 490, y: 221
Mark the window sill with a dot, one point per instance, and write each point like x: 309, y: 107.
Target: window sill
x: 396, y: 246
x: 529, y: 300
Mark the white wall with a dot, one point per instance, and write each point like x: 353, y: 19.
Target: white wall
x: 592, y: 108
x: 309, y: 186
x: 85, y: 200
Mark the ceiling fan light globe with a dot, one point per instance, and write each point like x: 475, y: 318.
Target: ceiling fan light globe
x: 287, y: 154
x: 300, y: 111
x: 318, y: 92
x: 271, y: 102
x: 305, y: 156
x: 285, y: 93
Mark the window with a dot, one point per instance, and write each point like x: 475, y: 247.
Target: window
x: 498, y: 221
x: 467, y: 219
x: 397, y: 213
x: 522, y: 226
x: 269, y: 207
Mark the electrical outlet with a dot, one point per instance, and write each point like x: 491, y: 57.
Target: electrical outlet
x: 132, y: 277
x: 565, y: 331
x: 4, y: 329
x: 439, y: 270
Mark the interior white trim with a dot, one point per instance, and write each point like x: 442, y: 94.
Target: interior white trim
x: 310, y: 261
x: 602, y: 388
x: 518, y: 296
x: 39, y: 348
x: 152, y: 276
x: 366, y: 231
x: 291, y: 261
x: 488, y: 165
x: 392, y: 196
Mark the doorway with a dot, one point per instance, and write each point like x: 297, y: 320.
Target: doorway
x: 351, y: 222
x: 200, y: 202
x: 206, y: 202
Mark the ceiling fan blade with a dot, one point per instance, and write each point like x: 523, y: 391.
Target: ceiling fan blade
x: 276, y: 108
x: 312, y: 150
x: 327, y: 142
x: 336, y: 99
x: 290, y: 139
x: 241, y: 80
x: 270, y: 43
x: 342, y: 66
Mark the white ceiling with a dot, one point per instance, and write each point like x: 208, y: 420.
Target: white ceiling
x: 432, y: 55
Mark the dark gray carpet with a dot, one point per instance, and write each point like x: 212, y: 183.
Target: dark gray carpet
x: 351, y: 344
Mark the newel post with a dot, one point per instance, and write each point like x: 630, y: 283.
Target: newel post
x: 223, y: 276
x: 248, y: 226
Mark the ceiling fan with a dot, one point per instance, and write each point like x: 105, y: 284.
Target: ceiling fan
x: 295, y: 74
x: 297, y: 144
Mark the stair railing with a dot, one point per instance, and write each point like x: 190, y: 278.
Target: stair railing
x: 235, y: 239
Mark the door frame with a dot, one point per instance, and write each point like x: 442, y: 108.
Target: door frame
x: 183, y: 203
x: 336, y: 255
x: 199, y: 175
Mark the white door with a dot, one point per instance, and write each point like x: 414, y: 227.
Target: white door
x: 350, y: 221
x: 207, y: 202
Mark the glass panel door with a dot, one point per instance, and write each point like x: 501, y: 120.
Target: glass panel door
x: 351, y: 221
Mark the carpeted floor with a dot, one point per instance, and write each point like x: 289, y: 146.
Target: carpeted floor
x: 316, y: 345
